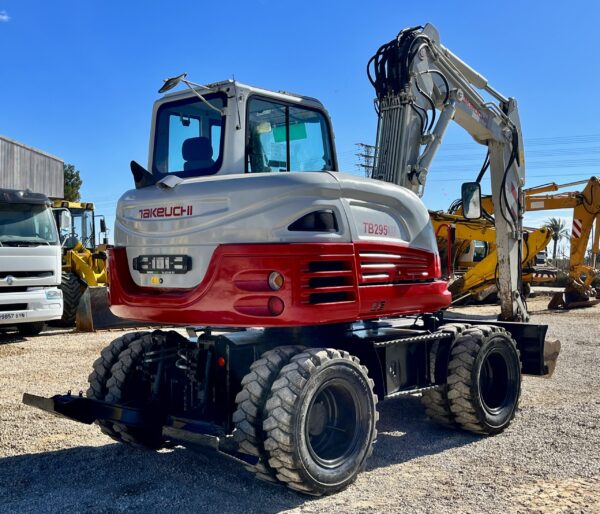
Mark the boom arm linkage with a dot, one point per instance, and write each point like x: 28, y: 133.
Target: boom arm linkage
x: 414, y: 76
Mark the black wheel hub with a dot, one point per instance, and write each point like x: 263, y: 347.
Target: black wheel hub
x: 493, y: 382
x: 332, y: 429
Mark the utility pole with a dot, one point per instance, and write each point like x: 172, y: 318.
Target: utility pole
x: 366, y: 155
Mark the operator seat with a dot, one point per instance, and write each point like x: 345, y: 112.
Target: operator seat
x: 197, y: 154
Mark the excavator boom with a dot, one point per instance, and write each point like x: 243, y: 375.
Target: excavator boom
x: 415, y: 77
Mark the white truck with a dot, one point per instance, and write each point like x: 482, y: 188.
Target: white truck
x: 30, y: 262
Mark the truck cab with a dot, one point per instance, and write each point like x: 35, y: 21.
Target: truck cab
x: 30, y: 262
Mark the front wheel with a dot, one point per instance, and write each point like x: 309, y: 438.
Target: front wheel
x: 320, y: 421
x: 484, y: 379
x: 71, y: 291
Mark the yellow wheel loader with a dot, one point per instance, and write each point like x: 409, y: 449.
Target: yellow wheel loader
x: 83, y: 261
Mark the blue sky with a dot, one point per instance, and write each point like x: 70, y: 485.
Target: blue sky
x: 78, y: 78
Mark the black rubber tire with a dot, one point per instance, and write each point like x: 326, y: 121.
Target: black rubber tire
x: 127, y: 385
x: 484, y: 379
x: 30, y: 329
x: 303, y: 437
x: 71, y: 290
x: 102, y: 372
x: 251, y: 400
x: 435, y: 401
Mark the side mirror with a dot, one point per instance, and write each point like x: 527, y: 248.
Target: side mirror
x: 102, y: 225
x: 470, y: 193
x: 65, y: 220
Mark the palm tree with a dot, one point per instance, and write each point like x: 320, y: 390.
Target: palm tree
x: 557, y: 225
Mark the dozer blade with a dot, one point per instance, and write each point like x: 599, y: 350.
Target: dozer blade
x: 94, y: 314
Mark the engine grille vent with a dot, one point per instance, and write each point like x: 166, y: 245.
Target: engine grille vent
x: 388, y: 268
x: 328, y: 281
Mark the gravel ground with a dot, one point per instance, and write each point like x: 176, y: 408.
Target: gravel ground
x: 547, y: 461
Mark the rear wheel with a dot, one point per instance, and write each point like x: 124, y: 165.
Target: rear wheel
x: 484, y: 380
x: 102, y: 372
x: 320, y: 421
x: 30, y: 329
x: 249, y: 416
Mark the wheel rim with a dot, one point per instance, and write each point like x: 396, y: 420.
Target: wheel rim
x: 333, y: 430
x: 494, y: 382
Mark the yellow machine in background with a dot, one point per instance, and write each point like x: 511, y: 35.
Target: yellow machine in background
x: 468, y: 253
x: 84, y: 261
x: 586, y: 212
x: 473, y: 262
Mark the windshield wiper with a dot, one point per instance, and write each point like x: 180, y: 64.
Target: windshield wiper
x: 24, y: 242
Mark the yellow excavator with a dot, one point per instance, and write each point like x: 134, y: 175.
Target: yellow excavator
x: 84, y: 261
x: 473, y: 240
x: 468, y: 252
x: 586, y: 213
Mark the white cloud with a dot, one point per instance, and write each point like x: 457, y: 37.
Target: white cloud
x: 4, y: 16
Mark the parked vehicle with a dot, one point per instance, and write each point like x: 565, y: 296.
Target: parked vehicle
x: 30, y: 262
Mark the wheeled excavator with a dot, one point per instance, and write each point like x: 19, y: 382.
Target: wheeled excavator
x: 242, y: 220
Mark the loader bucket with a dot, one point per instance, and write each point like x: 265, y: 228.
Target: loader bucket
x: 93, y: 312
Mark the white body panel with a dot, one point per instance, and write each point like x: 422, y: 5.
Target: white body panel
x: 259, y: 208
x: 20, y: 267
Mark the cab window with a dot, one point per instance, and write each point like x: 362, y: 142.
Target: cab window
x: 189, y: 137
x: 283, y: 137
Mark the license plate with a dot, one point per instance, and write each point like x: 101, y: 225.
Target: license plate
x: 163, y: 264
x: 4, y: 316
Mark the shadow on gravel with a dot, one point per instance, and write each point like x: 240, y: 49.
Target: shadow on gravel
x: 405, y: 433
x: 11, y: 337
x: 8, y: 336
x: 116, y: 478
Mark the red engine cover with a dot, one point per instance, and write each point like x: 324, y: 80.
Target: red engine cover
x: 323, y: 283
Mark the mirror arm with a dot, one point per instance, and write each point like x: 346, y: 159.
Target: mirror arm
x: 191, y: 84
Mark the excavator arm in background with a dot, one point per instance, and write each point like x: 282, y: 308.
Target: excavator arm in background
x: 455, y: 235
x: 414, y: 77
x: 586, y: 213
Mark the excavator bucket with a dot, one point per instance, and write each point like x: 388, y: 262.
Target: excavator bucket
x: 93, y: 312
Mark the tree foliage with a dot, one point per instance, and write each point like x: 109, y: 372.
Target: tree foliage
x: 72, y: 183
x: 559, y: 230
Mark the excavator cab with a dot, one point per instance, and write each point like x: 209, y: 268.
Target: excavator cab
x: 229, y: 128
